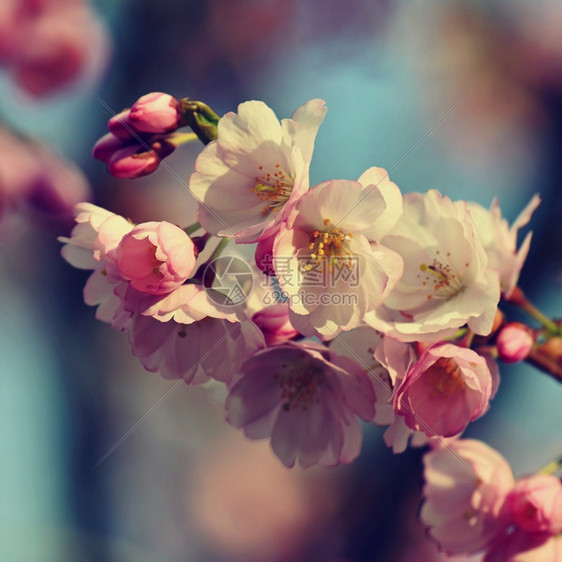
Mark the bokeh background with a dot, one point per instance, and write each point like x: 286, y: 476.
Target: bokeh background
x: 461, y: 96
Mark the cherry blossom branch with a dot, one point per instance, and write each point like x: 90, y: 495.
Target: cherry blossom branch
x: 518, y: 298
x: 547, y: 357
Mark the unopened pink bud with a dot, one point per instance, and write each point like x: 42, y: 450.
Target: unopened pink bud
x: 121, y: 126
x: 535, y: 504
x: 514, y: 342
x: 275, y: 324
x: 136, y: 160
x: 155, y: 113
x: 106, y: 147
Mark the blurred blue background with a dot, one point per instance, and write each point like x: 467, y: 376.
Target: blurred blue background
x: 461, y: 96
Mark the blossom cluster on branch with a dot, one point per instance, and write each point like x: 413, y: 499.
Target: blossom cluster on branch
x: 367, y: 304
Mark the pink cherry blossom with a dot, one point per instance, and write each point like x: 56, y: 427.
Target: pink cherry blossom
x: 448, y: 387
x: 535, y: 503
x: 249, y: 179
x: 514, y: 342
x: 500, y: 241
x: 206, y: 348
x: 156, y: 257
x: 385, y: 362
x: 466, y: 484
x: 274, y: 322
x: 306, y: 399
x: 182, y: 334
x: 155, y: 112
x: 91, y: 245
x: 446, y: 281
x: 329, y: 261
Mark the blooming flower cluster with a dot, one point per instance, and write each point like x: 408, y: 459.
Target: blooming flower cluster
x: 367, y: 305
x: 473, y: 503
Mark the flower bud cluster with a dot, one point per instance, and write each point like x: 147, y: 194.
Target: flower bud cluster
x: 140, y: 137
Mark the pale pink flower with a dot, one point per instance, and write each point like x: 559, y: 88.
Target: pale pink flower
x: 156, y: 257
x: 274, y: 322
x: 535, y: 504
x: 514, y: 342
x: 306, y: 399
x: 329, y: 261
x: 519, y: 546
x: 211, y: 347
x: 385, y: 362
x: 182, y: 334
x: 249, y: 179
x: 446, y: 281
x: 444, y: 390
x: 466, y: 484
x: 395, y: 360
x: 500, y: 240
x: 155, y: 112
x: 91, y: 244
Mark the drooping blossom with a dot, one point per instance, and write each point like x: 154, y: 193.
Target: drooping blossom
x: 514, y: 342
x: 182, y: 333
x: 329, y: 260
x: 306, y: 400
x: 446, y: 282
x: 249, y: 179
x: 445, y: 389
x: 466, y: 485
x: 500, y: 240
x: 535, y: 504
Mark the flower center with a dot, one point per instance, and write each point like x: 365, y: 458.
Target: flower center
x: 444, y: 377
x: 274, y: 189
x: 298, y: 390
x: 328, y: 248
x: 439, y: 278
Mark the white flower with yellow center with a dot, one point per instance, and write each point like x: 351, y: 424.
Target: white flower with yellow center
x: 447, y: 282
x: 249, y: 179
x: 328, y: 259
x: 500, y: 240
